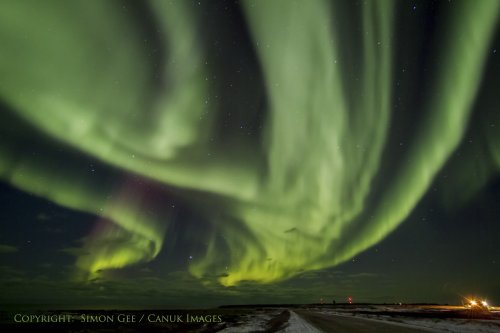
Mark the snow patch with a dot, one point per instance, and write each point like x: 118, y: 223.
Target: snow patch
x: 298, y: 325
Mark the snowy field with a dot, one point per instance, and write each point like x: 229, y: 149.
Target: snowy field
x: 293, y: 319
x: 421, y: 318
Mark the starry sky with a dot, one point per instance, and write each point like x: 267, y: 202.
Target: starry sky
x: 199, y: 153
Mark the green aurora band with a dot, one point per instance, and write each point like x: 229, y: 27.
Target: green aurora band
x: 299, y: 197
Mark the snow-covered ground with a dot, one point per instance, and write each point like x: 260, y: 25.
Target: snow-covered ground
x: 254, y: 322
x: 258, y: 321
x: 299, y: 325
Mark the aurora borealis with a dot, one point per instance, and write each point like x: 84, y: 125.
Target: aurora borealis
x: 260, y: 141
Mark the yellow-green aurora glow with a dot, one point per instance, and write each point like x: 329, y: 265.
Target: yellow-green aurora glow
x: 77, y: 80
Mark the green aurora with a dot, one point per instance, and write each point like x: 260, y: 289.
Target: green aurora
x: 313, y: 186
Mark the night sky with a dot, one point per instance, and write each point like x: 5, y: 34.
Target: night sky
x: 199, y: 153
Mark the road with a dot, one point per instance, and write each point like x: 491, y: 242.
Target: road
x: 296, y: 324
x: 344, y: 324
